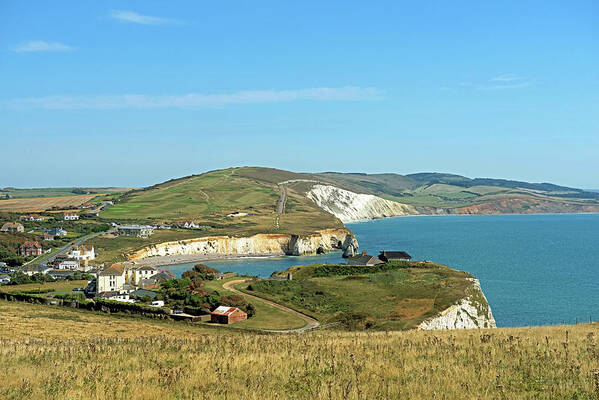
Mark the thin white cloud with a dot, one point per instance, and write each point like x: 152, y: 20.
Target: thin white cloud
x: 192, y: 100
x: 136, y: 18
x: 506, y: 78
x: 504, y: 86
x: 40, y: 45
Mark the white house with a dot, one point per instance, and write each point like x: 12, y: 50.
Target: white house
x: 83, y: 252
x: 111, y: 279
x: 70, y: 216
x: 117, y: 276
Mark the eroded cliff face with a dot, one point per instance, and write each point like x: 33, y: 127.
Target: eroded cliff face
x: 472, y: 312
x: 323, y: 241
x: 349, y: 206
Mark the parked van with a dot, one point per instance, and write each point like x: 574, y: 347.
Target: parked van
x: 157, y: 303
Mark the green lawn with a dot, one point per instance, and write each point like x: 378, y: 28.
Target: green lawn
x: 399, y: 298
x: 267, y: 316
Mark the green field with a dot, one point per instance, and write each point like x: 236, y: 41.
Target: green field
x: 267, y: 317
x: 56, y: 192
x: 396, y: 298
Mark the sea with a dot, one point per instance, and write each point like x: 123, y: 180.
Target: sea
x: 534, y: 269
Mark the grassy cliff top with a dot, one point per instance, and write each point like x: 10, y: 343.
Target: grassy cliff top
x: 383, y: 297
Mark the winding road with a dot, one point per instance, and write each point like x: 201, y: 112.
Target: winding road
x: 311, y: 323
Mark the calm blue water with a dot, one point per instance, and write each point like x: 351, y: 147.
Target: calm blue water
x: 534, y: 269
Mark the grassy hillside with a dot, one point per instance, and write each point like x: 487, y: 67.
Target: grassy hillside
x: 383, y: 297
x: 57, y: 353
x: 210, y: 197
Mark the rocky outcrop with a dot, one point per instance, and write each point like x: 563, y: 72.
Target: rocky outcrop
x: 322, y: 241
x: 349, y: 206
x: 472, y: 312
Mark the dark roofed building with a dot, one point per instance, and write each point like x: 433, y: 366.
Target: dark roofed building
x: 394, y: 256
x: 363, y: 259
x: 139, y: 293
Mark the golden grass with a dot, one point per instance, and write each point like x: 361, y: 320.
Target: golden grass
x: 57, y: 353
x: 59, y: 286
x: 44, y: 203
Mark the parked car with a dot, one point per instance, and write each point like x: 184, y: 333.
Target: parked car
x: 177, y: 311
x: 160, y: 303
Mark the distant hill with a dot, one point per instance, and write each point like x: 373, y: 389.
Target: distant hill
x: 211, y: 196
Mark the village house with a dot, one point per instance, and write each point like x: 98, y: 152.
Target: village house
x: 56, y: 232
x: 32, y: 217
x: 135, y: 230
x: 186, y: 225
x: 60, y: 273
x: 47, y: 236
x: 70, y: 216
x: 363, y: 259
x: 122, y: 277
x: 227, y: 315
x: 30, y: 248
x: 118, y: 296
x: 4, y: 279
x: 66, y: 262
x: 111, y: 279
x: 83, y: 252
x: 394, y: 256
x: 31, y: 270
x: 12, y: 227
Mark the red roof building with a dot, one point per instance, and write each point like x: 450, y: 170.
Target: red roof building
x: 227, y: 315
x: 30, y: 248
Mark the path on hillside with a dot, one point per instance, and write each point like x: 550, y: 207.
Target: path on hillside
x: 311, y: 323
x: 281, y: 205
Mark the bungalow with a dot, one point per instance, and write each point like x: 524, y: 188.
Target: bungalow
x: 394, y: 256
x: 56, y: 232
x: 12, y: 227
x: 363, y: 259
x: 118, y: 296
x: 66, y: 262
x: 227, y: 315
x: 87, y: 205
x: 32, y: 217
x: 31, y: 248
x: 60, y: 274
x: 70, y: 216
x: 4, y: 279
x: 83, y: 252
x: 34, y: 269
x: 186, y: 225
x: 135, y: 230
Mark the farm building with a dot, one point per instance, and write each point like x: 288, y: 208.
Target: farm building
x: 12, y: 227
x: 394, y: 256
x: 31, y: 248
x: 228, y: 315
x: 363, y: 259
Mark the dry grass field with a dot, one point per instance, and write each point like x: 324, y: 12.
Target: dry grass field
x: 58, y: 353
x: 44, y: 203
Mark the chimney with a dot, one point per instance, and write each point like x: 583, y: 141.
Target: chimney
x: 363, y: 252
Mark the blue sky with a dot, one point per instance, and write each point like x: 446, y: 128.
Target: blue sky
x: 138, y: 92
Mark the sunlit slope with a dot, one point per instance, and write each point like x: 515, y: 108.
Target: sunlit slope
x: 107, y: 356
x: 209, y: 198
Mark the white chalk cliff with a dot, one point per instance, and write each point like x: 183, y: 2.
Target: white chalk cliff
x: 322, y: 241
x: 349, y: 206
x: 472, y: 312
